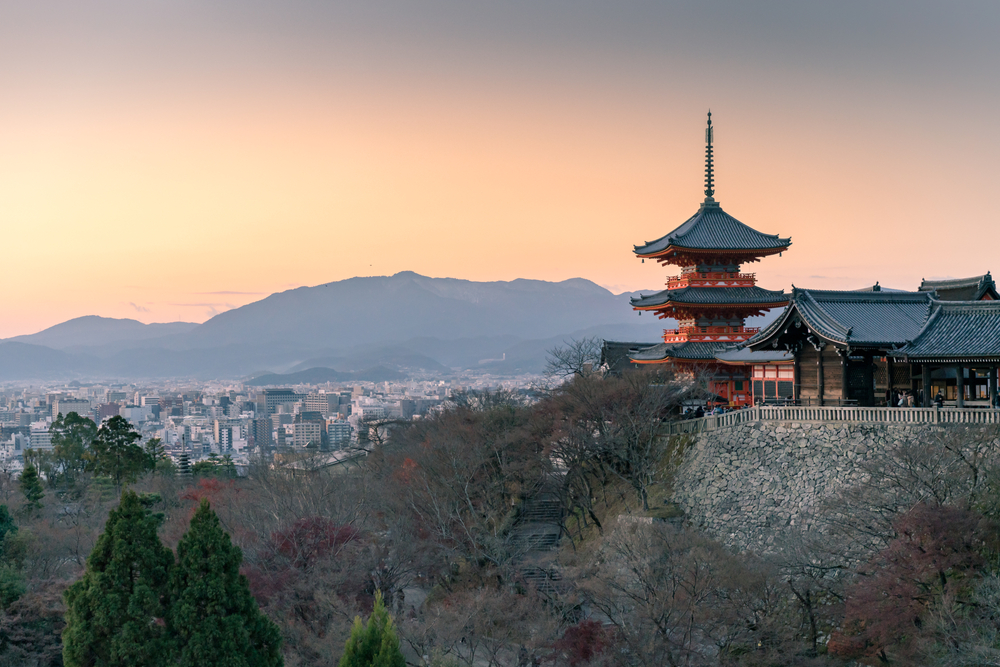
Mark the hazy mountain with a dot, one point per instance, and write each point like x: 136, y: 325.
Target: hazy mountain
x: 92, y: 330
x: 403, y: 323
x: 363, y: 311
x: 23, y: 361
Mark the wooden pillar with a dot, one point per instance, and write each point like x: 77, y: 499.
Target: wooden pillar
x: 797, y: 378
x: 845, y: 385
x: 819, y: 375
x: 960, y: 386
x: 888, y: 381
x: 925, y: 374
x: 993, y: 385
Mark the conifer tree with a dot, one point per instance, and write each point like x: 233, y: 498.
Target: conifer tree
x: 115, y: 453
x: 213, y: 616
x: 115, y: 613
x: 31, y: 487
x: 375, y: 644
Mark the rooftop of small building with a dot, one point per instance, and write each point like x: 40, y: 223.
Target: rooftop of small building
x: 689, y: 351
x: 973, y: 288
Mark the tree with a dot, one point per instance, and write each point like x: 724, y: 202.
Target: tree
x: 936, y: 550
x: 213, y: 616
x: 115, y: 453
x: 114, y: 614
x: 71, y: 436
x: 31, y: 487
x: 575, y: 358
x: 374, y: 644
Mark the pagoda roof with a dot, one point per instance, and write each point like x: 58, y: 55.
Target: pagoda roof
x: 750, y: 296
x: 863, y: 319
x: 962, y: 289
x: 957, y: 331
x: 711, y: 228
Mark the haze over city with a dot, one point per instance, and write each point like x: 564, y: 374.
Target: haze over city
x: 169, y: 161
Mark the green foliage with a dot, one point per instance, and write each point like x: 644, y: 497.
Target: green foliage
x: 114, y: 453
x: 31, y: 487
x: 7, y: 524
x: 375, y: 644
x: 71, y: 437
x: 12, y: 585
x: 213, y: 466
x: 213, y: 616
x: 114, y: 613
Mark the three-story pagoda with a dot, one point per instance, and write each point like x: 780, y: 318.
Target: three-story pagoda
x: 712, y: 297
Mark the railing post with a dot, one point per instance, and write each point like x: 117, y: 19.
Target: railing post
x: 937, y: 414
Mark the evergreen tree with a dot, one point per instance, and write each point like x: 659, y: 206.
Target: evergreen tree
x: 374, y: 645
x: 71, y: 436
x: 213, y: 617
x: 31, y: 487
x: 115, y: 453
x: 115, y: 613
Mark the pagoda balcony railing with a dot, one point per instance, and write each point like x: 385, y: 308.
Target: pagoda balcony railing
x: 720, y: 278
x: 698, y: 331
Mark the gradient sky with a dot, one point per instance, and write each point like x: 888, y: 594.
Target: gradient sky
x: 168, y: 160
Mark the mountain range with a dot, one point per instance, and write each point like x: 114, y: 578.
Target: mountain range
x: 368, y: 325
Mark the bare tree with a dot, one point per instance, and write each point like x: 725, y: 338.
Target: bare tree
x: 575, y: 358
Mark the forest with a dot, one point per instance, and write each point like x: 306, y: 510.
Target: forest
x: 507, y: 531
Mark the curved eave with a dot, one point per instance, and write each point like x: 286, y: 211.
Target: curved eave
x: 683, y: 304
x: 680, y: 250
x: 924, y: 359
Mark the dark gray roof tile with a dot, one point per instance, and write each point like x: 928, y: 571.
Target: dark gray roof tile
x: 957, y: 331
x: 711, y: 228
x: 871, y: 319
x: 712, y: 295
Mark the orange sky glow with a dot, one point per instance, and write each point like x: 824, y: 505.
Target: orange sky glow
x: 173, y: 164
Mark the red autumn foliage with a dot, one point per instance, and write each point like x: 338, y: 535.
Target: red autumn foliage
x: 935, y: 549
x: 311, y: 538
x: 404, y: 474
x: 209, y: 487
x: 582, y: 642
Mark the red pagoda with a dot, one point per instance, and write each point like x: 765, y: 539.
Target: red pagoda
x: 712, y: 297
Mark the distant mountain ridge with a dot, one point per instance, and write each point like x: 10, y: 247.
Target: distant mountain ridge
x: 406, y: 323
x: 95, y: 330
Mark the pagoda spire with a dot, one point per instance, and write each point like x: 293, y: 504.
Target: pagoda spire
x: 709, y: 175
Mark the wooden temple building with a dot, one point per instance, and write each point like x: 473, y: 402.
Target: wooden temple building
x: 862, y: 347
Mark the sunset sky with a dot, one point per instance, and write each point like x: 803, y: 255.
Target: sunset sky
x: 170, y: 159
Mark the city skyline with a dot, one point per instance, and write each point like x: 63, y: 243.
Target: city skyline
x: 170, y: 161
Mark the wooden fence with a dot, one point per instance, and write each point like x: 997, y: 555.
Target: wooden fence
x: 853, y: 415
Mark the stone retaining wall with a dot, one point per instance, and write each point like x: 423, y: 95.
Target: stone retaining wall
x: 745, y: 483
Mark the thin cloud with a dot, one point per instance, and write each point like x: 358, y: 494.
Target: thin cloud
x: 227, y: 293
x: 138, y: 308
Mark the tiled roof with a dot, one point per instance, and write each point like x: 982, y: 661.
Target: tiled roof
x: 690, y: 351
x: 957, y: 330
x: 962, y: 289
x: 869, y: 319
x: 615, y: 354
x: 712, y: 295
x: 744, y: 355
x: 711, y: 228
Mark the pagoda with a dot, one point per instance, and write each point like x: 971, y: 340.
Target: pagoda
x: 711, y: 297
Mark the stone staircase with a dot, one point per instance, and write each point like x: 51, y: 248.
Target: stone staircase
x: 536, y: 535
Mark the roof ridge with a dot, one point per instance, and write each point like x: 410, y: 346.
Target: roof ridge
x: 836, y: 326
